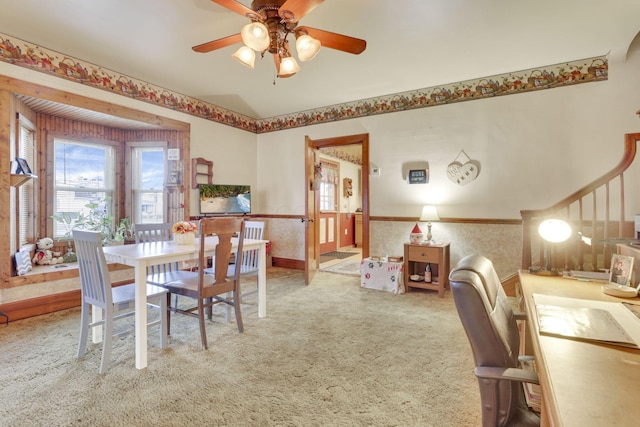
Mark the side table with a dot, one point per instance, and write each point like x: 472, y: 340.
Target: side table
x: 416, y: 258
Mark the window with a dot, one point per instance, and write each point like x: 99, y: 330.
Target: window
x: 328, y: 186
x: 26, y: 192
x: 83, y: 173
x: 147, y: 184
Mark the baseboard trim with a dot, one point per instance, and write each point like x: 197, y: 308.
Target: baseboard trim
x: 45, y: 304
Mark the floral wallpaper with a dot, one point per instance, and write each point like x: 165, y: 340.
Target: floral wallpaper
x: 25, y: 54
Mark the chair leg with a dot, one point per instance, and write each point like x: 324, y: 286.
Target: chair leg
x: 84, y: 329
x: 227, y: 308
x: 107, y: 340
x: 203, y: 331
x: 168, y: 306
x: 164, y: 322
x: 236, y: 305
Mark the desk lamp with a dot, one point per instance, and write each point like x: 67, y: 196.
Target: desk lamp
x: 429, y: 213
x: 552, y: 231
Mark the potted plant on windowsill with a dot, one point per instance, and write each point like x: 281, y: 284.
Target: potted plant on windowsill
x: 98, y: 219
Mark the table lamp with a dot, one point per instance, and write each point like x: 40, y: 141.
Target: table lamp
x: 552, y: 231
x: 429, y: 213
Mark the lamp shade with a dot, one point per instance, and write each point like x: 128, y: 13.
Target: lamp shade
x: 245, y: 56
x: 307, y: 47
x: 554, y: 230
x: 288, y: 66
x: 429, y: 213
x: 256, y: 36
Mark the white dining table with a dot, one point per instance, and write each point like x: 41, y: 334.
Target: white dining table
x: 143, y: 255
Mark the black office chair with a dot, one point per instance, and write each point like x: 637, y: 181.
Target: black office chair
x: 490, y: 324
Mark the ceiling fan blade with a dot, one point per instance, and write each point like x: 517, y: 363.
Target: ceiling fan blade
x: 276, y: 60
x: 294, y: 10
x: 237, y: 7
x: 336, y: 41
x: 218, y: 44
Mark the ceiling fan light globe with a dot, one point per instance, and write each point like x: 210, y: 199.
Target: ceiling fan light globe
x: 245, y: 56
x: 256, y: 36
x: 307, y: 47
x: 288, y: 66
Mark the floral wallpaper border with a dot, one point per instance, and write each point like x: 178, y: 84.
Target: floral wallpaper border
x: 28, y: 55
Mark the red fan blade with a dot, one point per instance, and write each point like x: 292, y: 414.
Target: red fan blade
x: 336, y: 41
x: 218, y: 44
x: 294, y: 10
x: 237, y: 7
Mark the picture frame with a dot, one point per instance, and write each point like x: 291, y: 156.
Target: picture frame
x: 621, y: 270
x: 23, y: 166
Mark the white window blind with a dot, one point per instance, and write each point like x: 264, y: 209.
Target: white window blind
x: 26, y: 192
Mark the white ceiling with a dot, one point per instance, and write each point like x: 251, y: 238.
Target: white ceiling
x: 411, y: 44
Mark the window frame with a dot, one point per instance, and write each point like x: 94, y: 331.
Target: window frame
x: 325, y: 185
x: 116, y: 204
x: 29, y: 188
x: 129, y: 165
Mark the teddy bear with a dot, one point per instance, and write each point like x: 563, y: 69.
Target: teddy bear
x: 44, y: 255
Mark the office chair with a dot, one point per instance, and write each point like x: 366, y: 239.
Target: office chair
x: 490, y: 325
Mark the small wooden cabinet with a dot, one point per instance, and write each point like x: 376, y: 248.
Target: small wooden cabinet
x: 416, y: 258
x: 358, y: 231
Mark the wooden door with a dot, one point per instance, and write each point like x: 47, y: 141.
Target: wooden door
x: 310, y: 223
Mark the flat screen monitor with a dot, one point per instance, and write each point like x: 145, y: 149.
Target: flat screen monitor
x: 216, y: 199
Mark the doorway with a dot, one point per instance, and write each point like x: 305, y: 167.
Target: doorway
x: 313, y: 213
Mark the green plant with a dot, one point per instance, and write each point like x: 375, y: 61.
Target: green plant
x: 97, y: 219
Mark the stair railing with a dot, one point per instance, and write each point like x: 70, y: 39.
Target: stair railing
x: 596, y: 214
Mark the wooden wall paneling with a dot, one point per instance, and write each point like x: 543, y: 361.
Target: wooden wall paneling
x: 176, y: 132
x: 13, y: 85
x: 6, y: 120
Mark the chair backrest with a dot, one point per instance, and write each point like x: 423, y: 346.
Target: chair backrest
x: 490, y: 325
x: 225, y: 229
x: 253, y: 230
x: 145, y: 233
x: 95, y: 281
x: 152, y: 232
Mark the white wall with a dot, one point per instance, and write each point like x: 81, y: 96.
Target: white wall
x: 534, y: 149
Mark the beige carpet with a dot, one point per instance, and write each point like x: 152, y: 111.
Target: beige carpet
x: 348, y: 266
x: 330, y: 354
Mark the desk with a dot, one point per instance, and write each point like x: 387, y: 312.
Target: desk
x: 382, y: 275
x: 142, y: 255
x: 583, y: 384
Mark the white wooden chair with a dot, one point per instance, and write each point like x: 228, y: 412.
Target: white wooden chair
x: 115, y: 303
x: 161, y: 273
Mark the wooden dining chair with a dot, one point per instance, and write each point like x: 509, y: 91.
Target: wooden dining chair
x: 253, y: 230
x: 210, y: 289
x: 115, y: 302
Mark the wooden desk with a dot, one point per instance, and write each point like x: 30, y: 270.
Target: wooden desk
x: 583, y: 383
x: 142, y: 255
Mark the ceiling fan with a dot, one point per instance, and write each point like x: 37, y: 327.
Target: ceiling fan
x: 271, y: 23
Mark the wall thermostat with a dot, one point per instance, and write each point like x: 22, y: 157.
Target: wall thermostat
x: 418, y: 176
